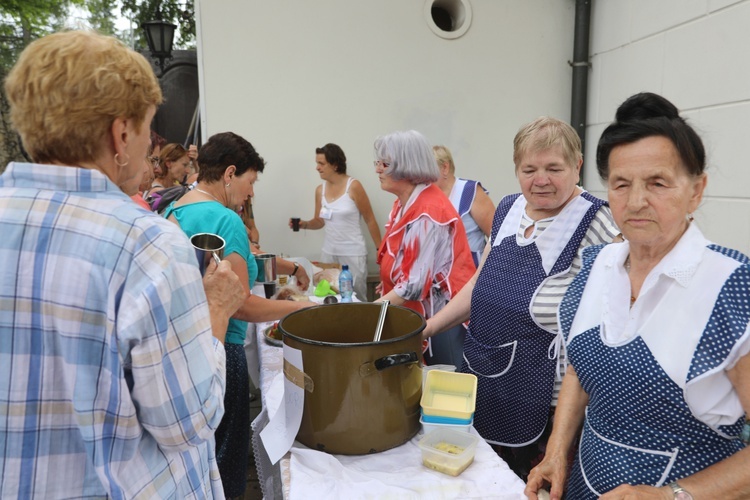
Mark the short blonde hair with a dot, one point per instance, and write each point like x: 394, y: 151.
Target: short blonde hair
x: 544, y: 133
x: 67, y: 88
x: 443, y: 154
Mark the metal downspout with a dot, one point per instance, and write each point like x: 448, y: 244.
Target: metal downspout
x: 581, y: 67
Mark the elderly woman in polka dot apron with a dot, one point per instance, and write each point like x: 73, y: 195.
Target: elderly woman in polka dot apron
x: 512, y: 344
x: 658, y: 332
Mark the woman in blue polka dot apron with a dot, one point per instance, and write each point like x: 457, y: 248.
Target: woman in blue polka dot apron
x: 512, y: 343
x: 469, y: 198
x: 658, y: 332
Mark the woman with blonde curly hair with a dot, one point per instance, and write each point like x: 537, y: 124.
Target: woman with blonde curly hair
x: 112, y: 385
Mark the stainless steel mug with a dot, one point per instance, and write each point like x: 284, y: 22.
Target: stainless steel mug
x: 207, y: 246
x: 266, y: 268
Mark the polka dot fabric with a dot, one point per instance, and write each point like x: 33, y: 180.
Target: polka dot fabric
x: 505, y: 347
x: 729, y: 320
x: 638, y: 428
x: 233, y: 434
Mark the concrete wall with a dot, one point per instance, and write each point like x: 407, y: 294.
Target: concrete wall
x: 694, y: 52
x: 292, y: 76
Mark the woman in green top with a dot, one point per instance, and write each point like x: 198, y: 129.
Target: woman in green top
x: 229, y: 168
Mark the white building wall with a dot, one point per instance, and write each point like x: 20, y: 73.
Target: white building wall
x: 695, y: 53
x: 292, y: 76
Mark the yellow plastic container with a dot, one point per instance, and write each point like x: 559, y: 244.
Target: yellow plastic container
x: 449, y: 394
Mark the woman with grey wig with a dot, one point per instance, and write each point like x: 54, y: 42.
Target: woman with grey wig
x: 424, y: 256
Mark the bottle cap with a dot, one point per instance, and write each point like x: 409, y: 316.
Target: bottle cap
x: 345, y: 267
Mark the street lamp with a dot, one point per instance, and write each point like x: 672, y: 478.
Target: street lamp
x: 160, y: 36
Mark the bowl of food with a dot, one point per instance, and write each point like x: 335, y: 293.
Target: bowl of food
x: 448, y: 451
x: 273, y: 335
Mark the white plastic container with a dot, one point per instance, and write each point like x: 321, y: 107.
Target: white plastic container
x: 448, y: 451
x: 428, y: 427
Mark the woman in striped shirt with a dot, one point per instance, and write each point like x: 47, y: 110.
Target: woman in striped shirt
x: 513, y: 344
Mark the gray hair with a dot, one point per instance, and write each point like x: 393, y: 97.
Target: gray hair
x: 408, y: 156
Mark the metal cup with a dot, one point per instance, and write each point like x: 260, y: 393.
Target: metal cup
x: 295, y: 224
x: 207, y: 246
x: 266, y: 268
x: 269, y: 289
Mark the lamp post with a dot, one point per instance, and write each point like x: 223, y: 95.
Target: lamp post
x: 160, y: 36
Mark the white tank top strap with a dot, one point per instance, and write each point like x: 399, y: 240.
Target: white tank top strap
x: 348, y: 183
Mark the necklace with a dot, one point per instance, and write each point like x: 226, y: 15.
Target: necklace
x: 207, y: 193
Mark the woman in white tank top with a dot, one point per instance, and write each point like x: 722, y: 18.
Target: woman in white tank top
x: 339, y: 203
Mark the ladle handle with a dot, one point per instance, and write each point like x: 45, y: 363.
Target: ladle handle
x: 381, y: 321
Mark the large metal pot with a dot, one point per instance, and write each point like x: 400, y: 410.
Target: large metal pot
x: 360, y: 396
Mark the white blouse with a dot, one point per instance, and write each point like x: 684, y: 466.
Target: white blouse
x: 670, y: 315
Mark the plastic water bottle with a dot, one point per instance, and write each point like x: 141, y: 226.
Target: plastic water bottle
x: 346, y: 284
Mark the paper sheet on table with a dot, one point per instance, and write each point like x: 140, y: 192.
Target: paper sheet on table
x: 279, y: 434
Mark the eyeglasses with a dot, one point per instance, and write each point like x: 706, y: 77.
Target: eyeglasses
x: 380, y: 162
x: 154, y: 160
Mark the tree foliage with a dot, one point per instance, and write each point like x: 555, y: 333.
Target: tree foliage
x: 100, y: 16
x: 180, y: 13
x: 22, y: 21
x: 25, y: 20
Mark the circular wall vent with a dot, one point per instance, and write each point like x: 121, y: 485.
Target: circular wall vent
x: 448, y: 18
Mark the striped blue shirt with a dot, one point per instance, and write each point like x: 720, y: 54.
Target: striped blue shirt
x: 111, y: 384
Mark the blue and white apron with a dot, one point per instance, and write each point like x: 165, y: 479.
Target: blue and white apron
x: 504, y: 347
x: 640, y: 431
x: 462, y: 198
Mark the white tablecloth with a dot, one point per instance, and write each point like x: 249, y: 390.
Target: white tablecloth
x: 306, y: 474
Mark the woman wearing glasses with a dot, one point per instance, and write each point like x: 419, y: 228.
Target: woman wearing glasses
x: 150, y: 170
x: 424, y: 257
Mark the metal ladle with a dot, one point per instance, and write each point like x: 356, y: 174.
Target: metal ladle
x: 381, y: 321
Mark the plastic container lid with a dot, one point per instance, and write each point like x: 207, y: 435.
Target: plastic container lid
x: 433, y: 419
x: 428, y: 427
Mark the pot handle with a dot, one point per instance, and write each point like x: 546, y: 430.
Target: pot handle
x: 388, y: 361
x: 395, y: 360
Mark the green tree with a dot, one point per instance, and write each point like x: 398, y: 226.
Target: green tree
x: 180, y: 13
x: 25, y: 20
x: 22, y: 21
x: 100, y: 16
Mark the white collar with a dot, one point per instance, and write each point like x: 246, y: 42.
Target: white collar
x: 555, y: 238
x: 620, y: 321
x: 679, y: 264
